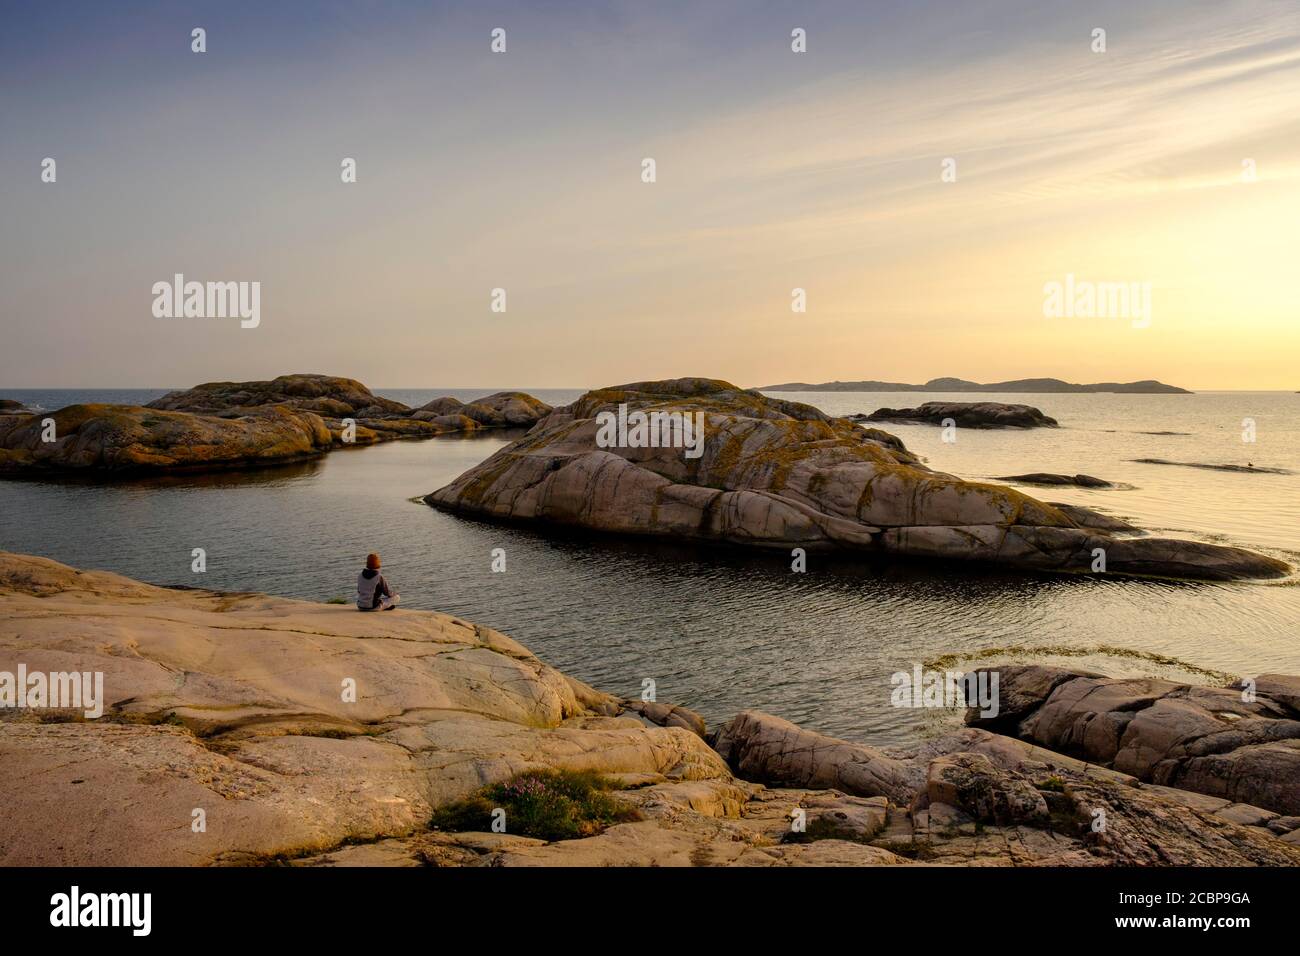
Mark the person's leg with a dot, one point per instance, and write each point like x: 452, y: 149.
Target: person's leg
x: 391, y: 602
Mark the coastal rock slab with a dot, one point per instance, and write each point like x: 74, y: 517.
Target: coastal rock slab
x: 238, y: 704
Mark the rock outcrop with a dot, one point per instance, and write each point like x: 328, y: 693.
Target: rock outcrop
x: 499, y: 410
x: 1239, y: 743
x: 1047, y: 478
x: 337, y: 399
x: 780, y: 474
x: 971, y: 783
x: 966, y: 415
x: 116, y: 439
x: 235, y: 424
x: 316, y: 735
x: 759, y: 746
x: 982, y: 799
x: 327, y: 395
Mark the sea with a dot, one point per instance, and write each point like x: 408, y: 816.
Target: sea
x: 720, y: 629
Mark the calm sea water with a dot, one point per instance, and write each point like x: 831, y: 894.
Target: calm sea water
x: 721, y: 630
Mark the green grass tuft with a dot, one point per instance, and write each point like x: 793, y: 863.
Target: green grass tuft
x: 546, y: 804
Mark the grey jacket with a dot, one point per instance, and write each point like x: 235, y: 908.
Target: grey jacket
x: 371, y: 589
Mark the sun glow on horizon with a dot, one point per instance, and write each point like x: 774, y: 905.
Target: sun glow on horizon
x: 1171, y: 159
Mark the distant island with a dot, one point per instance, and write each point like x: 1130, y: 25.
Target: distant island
x: 1039, y: 385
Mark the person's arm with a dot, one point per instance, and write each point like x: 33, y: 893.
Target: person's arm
x: 383, y: 588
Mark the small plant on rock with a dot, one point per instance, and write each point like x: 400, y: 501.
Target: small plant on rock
x: 546, y: 804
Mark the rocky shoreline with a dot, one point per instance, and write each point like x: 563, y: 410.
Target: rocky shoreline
x: 230, y: 704
x: 236, y: 425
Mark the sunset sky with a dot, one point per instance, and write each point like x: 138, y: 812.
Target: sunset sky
x: 775, y: 170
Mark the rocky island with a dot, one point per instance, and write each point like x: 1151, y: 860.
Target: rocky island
x: 779, y: 474
x: 237, y: 424
x: 234, y: 708
x: 965, y: 415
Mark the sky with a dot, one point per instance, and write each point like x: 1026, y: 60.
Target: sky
x: 1171, y: 161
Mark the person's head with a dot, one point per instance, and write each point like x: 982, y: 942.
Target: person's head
x: 372, y: 561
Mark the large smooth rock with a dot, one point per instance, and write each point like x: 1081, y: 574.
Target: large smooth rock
x: 1087, y: 717
x: 774, y: 751
x: 777, y: 474
x: 1022, y: 689
x: 235, y: 704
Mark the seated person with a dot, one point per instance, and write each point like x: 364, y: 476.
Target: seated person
x: 373, y: 592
